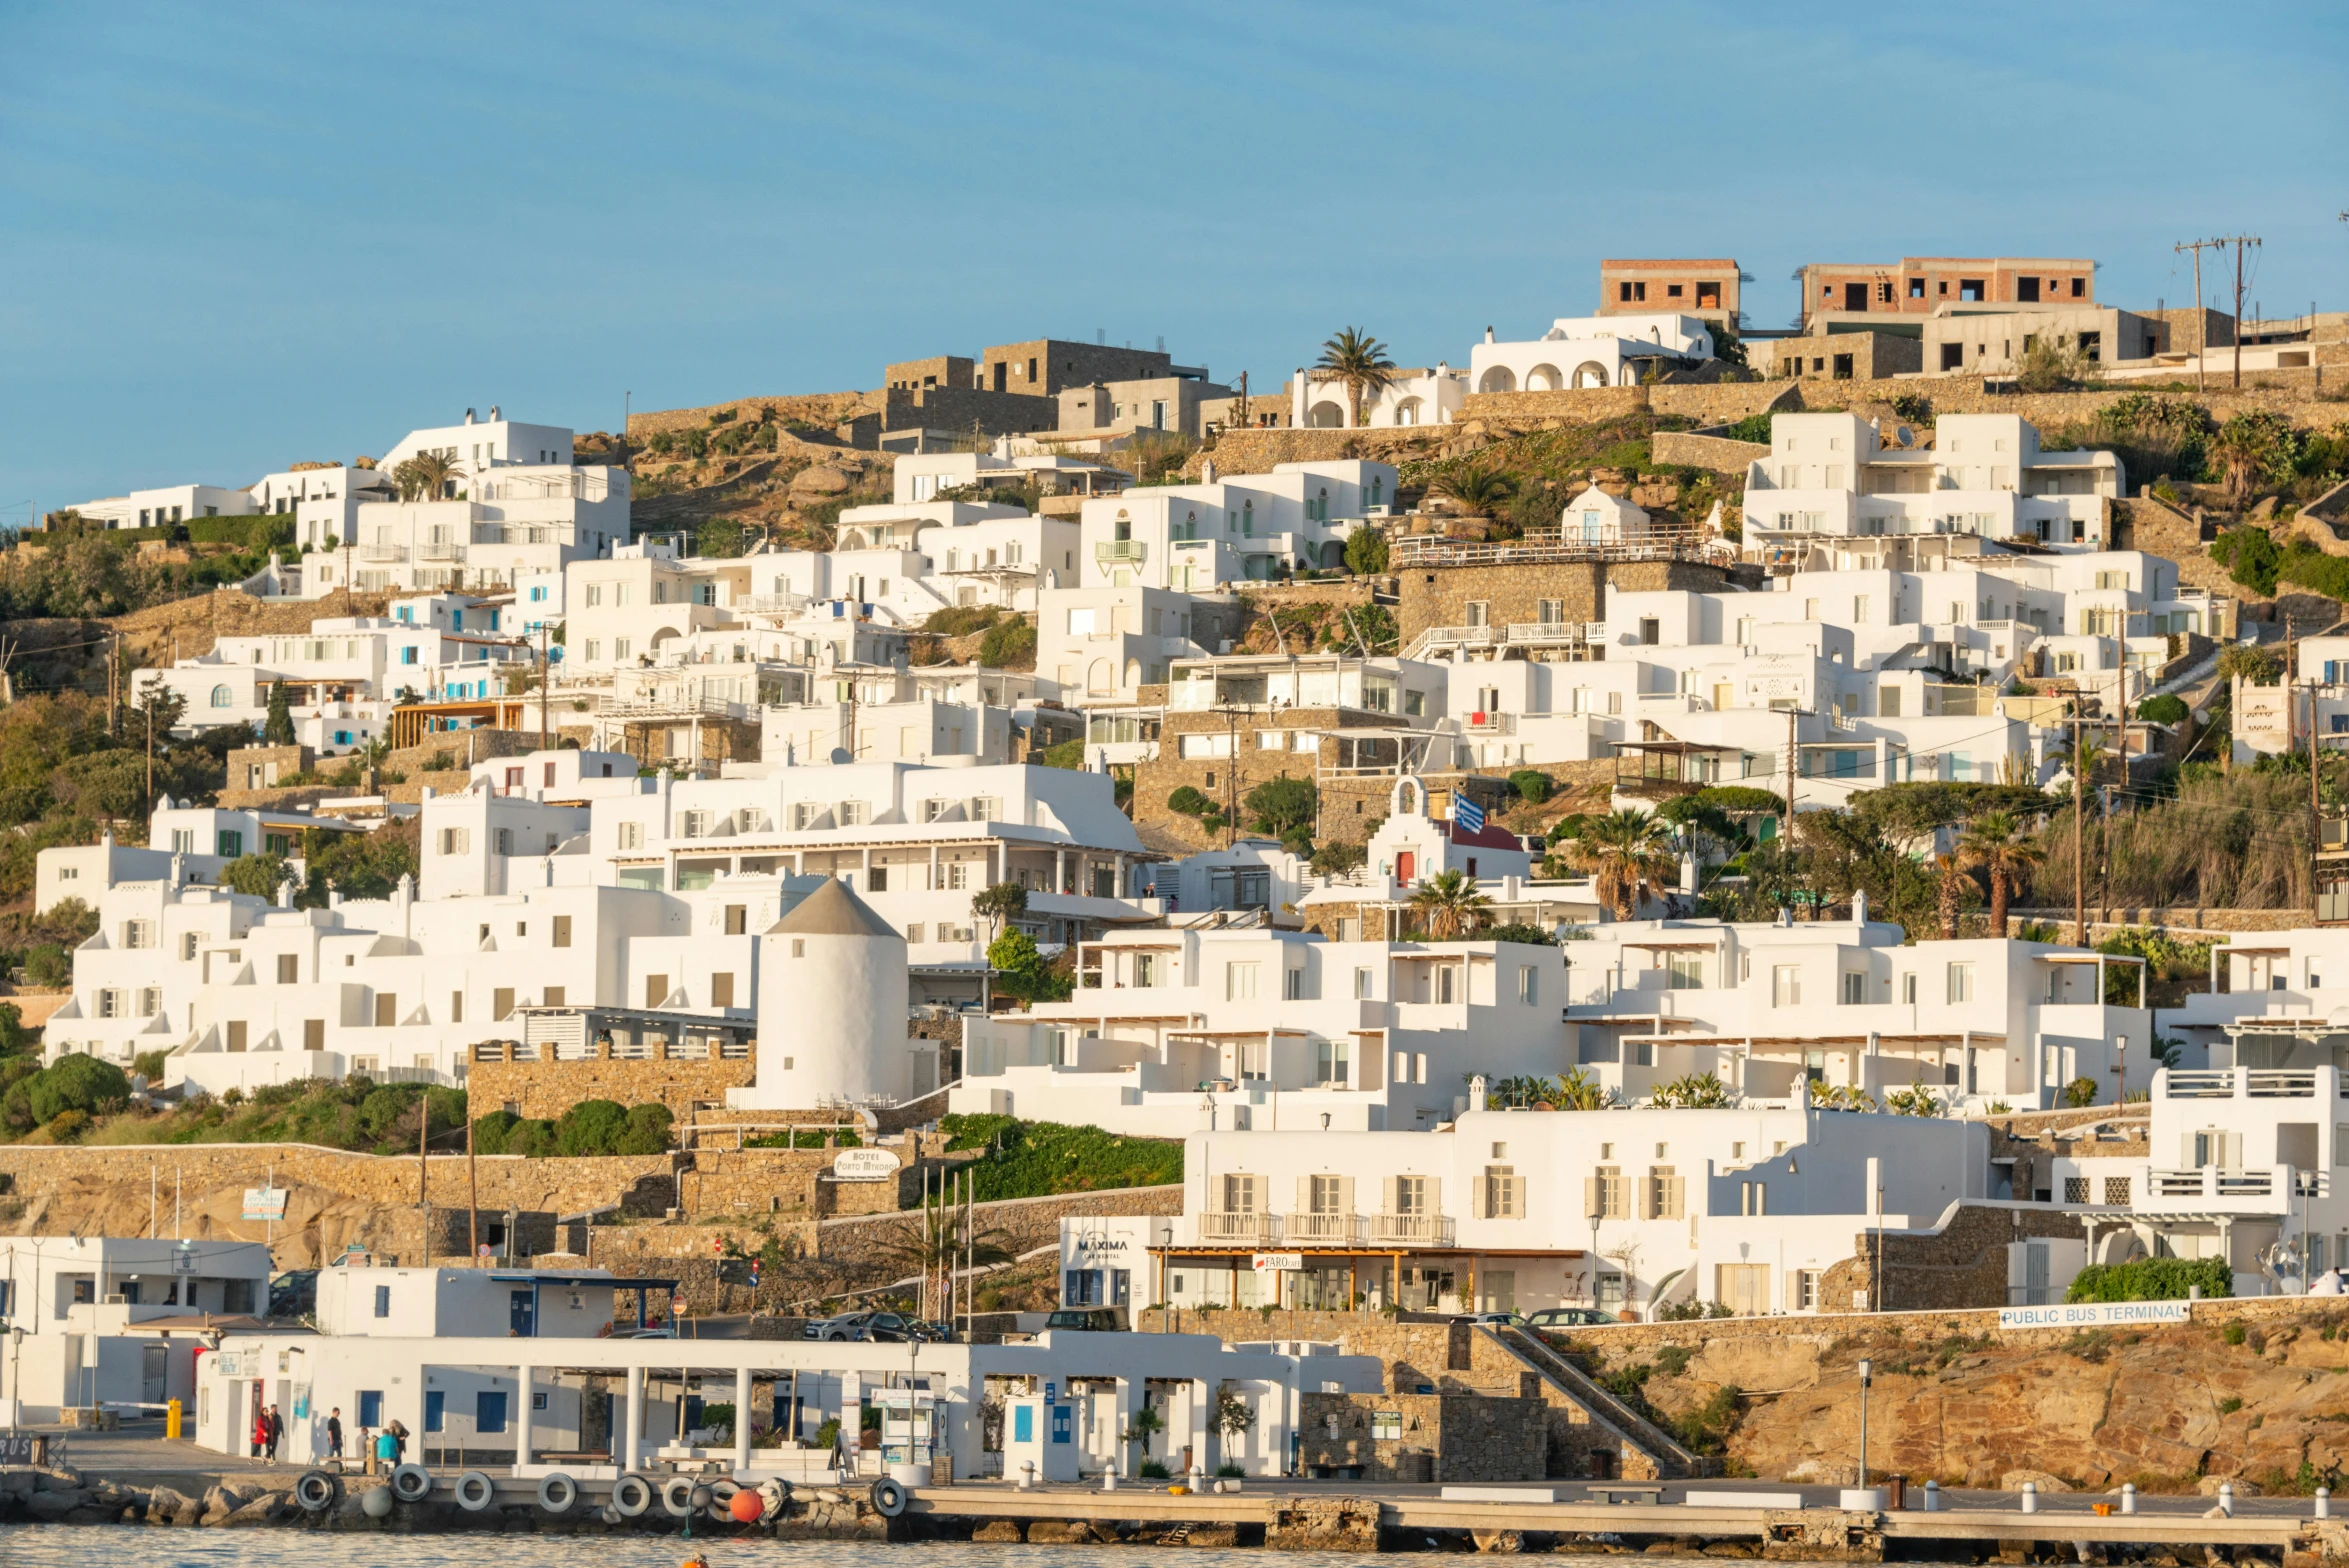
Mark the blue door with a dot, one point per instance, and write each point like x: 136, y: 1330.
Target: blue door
x: 522, y: 1313
x: 435, y: 1403
x: 489, y: 1411
x: 370, y: 1407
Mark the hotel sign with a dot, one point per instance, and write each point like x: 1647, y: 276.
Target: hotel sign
x: 865, y: 1165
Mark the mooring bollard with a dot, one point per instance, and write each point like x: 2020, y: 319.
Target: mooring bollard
x: 2324, y: 1502
x: 1932, y: 1497
x: 2030, y: 1497
x: 1109, y: 1479
x: 2227, y: 1499
x: 2128, y: 1497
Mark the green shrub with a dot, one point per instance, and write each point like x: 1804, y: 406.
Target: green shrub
x: 1529, y: 936
x: 149, y: 1065
x: 2167, y: 708
x: 1038, y: 1159
x: 1069, y: 754
x: 1009, y: 645
x: 76, y: 1083
x: 1532, y: 785
x: 1189, y: 802
x: 1754, y: 427
x: 1151, y: 1470
x: 68, y: 1126
x: 1366, y: 552
x: 2235, y: 1334
x: 960, y: 620
x: 2152, y: 1279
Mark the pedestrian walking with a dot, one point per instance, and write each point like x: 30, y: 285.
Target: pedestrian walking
x: 334, y: 1433
x: 276, y: 1432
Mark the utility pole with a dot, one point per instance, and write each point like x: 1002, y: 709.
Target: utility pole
x: 2079, y: 830
x: 545, y: 674
x: 1787, y: 845
x: 424, y: 1164
x: 2201, y: 320
x: 2239, y: 241
x: 472, y: 1192
x: 2315, y: 807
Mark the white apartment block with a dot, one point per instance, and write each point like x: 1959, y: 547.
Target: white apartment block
x: 1590, y: 351
x: 1199, y: 537
x: 165, y: 505
x: 1833, y: 477
x: 1416, y: 396
x: 1257, y: 1028
x: 1101, y: 646
x: 323, y: 502
x: 190, y: 842
x: 1772, y: 1009
x: 346, y: 673
x: 2278, y: 717
x: 920, y: 476
x: 1515, y: 1210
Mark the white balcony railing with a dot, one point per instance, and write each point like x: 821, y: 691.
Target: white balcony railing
x: 1338, y: 1229
x: 383, y: 553
x: 1411, y: 1230
x: 1254, y: 1230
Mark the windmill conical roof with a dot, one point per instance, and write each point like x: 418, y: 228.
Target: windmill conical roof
x: 831, y: 910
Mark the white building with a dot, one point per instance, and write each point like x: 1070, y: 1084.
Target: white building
x: 346, y: 673
x: 452, y: 1356
x: 1836, y: 475
x: 1591, y: 351
x: 1102, y: 645
x: 192, y: 843
x: 165, y: 505
x: 1317, y: 400
x: 1198, y: 537
x: 1259, y: 1028
x: 1515, y: 1210
x: 118, y: 1320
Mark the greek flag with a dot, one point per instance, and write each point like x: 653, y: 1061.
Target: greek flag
x: 1467, y: 815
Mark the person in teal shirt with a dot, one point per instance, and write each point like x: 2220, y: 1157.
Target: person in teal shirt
x: 387, y: 1450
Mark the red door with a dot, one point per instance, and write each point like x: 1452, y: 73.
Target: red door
x: 1406, y: 865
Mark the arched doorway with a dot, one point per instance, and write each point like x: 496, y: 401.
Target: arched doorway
x: 1590, y: 373
x: 1326, y: 415
x: 1498, y: 379
x: 1544, y: 378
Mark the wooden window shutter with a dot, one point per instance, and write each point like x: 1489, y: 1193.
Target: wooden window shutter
x: 1387, y: 1197
x: 1304, y: 1195
x: 1435, y: 1196
x: 1590, y: 1195
x: 1345, y: 1194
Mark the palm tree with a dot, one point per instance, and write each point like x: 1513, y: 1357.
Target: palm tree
x: 1474, y: 487
x: 1626, y: 854
x: 1952, y: 875
x: 1450, y: 906
x: 426, y: 476
x: 2244, y: 444
x: 1995, y: 844
x: 1359, y: 361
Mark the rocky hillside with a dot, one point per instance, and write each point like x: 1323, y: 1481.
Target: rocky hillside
x: 2250, y: 1392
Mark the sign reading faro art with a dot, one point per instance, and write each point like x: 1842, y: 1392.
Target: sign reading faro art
x: 2094, y: 1314
x: 865, y: 1165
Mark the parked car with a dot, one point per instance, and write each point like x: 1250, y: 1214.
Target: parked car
x: 652, y: 1331
x: 1492, y: 1319
x: 865, y: 1327
x: 1566, y: 1317
x: 1091, y: 1319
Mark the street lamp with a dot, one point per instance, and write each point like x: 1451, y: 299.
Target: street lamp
x: 1867, y: 1371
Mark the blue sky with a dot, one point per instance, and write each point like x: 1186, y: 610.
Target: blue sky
x: 236, y: 236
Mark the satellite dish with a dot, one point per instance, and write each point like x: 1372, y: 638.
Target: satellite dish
x: 1903, y: 435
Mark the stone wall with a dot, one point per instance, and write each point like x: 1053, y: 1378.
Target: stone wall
x: 2289, y: 393
x: 1439, y: 595
x: 546, y: 1088
x: 1964, y: 1264
x: 2176, y: 919
x: 1460, y: 1438
x: 184, y: 628
x: 815, y: 408
x: 335, y: 1198
x: 1718, y: 453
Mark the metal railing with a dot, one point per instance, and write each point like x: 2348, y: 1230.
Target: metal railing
x: 440, y: 550
x: 1343, y: 1229
x: 1542, y: 549
x: 1129, y: 550
x: 1251, y: 1229
x: 1411, y: 1230
x: 383, y: 552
